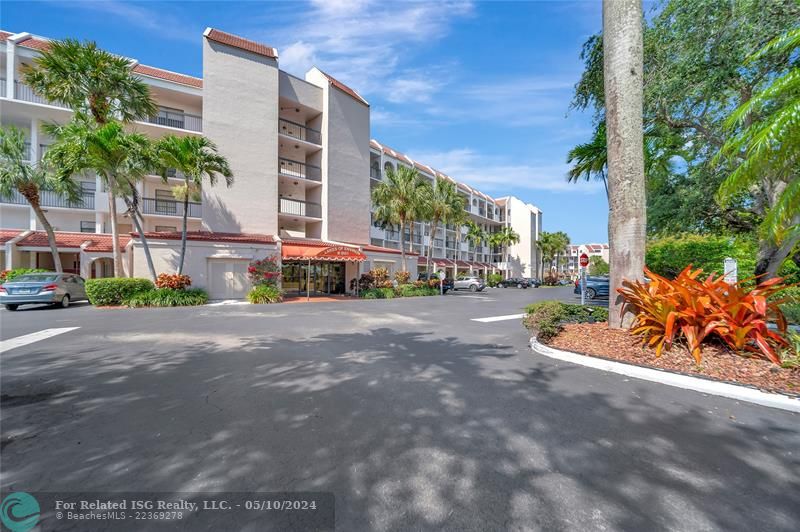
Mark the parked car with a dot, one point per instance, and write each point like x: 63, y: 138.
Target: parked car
x: 473, y: 283
x: 447, y: 285
x: 519, y: 282
x: 37, y: 288
x: 595, y: 286
x: 532, y: 281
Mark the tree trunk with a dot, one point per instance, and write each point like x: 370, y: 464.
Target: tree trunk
x: 184, y: 229
x: 411, y: 237
x: 434, y: 224
x: 771, y: 256
x: 403, y: 244
x: 145, y: 247
x: 51, y: 235
x: 622, y: 72
x: 112, y: 210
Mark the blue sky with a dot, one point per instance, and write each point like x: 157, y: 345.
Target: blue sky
x: 480, y: 90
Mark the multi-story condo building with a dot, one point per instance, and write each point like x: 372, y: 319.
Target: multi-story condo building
x: 573, y: 253
x: 303, y: 166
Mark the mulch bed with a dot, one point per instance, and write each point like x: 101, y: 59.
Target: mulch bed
x: 719, y: 363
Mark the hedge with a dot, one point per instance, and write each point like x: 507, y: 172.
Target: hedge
x: 264, y: 293
x: 168, y: 297
x: 546, y: 318
x: 403, y: 290
x: 115, y: 290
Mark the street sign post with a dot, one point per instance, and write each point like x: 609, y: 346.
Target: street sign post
x: 731, y: 269
x: 584, y: 262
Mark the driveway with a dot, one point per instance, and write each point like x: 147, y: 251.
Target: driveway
x: 415, y: 416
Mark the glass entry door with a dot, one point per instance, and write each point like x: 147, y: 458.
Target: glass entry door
x: 325, y: 278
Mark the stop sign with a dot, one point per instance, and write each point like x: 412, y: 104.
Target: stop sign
x: 584, y: 260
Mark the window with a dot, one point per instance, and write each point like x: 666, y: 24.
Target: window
x: 88, y: 227
x: 166, y: 228
x: 165, y: 202
x: 168, y: 116
x: 88, y: 187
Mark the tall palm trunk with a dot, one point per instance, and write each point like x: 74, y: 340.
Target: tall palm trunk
x: 403, y: 244
x: 134, y: 214
x: 411, y: 237
x: 434, y: 226
x: 51, y: 235
x: 112, y: 211
x: 185, y: 227
x: 622, y: 71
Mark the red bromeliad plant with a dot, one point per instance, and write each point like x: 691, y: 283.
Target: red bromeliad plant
x: 175, y: 281
x: 264, y: 271
x: 667, y: 309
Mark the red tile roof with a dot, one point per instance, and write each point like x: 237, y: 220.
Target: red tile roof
x: 235, y: 41
x: 345, y: 89
x: 94, y: 241
x: 8, y: 234
x: 159, y: 73
x: 210, y: 236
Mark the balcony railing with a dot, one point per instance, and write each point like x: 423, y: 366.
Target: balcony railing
x: 297, y: 169
x: 2, y: 87
x: 48, y: 198
x: 178, y: 120
x: 168, y: 207
x: 299, y: 208
x: 393, y: 235
x: 25, y: 93
x: 299, y: 131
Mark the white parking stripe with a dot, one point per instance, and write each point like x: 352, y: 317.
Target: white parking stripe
x: 499, y: 318
x: 26, y: 339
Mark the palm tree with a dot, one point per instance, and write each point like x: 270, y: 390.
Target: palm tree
x: 770, y: 145
x: 589, y: 160
x: 560, y: 243
x: 503, y: 238
x: 29, y: 179
x: 623, y: 64
x: 196, y: 158
x: 547, y: 248
x: 475, y: 233
x: 90, y: 81
x: 397, y: 200
x: 441, y: 203
x: 120, y: 159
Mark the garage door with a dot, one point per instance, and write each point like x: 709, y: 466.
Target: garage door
x: 227, y: 279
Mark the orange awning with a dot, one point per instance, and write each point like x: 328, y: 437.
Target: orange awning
x: 328, y: 253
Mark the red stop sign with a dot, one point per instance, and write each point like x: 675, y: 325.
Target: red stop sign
x: 584, y: 260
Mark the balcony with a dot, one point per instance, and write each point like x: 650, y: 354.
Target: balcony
x: 2, y: 87
x: 177, y: 119
x: 167, y: 207
x: 26, y: 94
x: 299, y: 208
x: 48, y: 198
x: 375, y: 173
x: 299, y: 131
x: 292, y: 168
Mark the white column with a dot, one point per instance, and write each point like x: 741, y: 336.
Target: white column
x: 9, y: 255
x: 34, y: 140
x: 31, y: 219
x: 11, y: 48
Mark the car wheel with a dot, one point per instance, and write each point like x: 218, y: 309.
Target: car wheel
x: 519, y: 285
x: 65, y: 301
x: 591, y: 293
x: 473, y: 288
x: 12, y: 307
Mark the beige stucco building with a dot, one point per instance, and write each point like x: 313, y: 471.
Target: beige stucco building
x: 303, y: 164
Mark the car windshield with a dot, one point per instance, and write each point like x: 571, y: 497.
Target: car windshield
x: 36, y: 278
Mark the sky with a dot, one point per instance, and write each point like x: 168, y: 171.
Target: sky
x: 479, y: 90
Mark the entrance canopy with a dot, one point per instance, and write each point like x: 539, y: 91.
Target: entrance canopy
x: 295, y: 251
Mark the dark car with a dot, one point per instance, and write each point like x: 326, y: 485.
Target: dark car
x: 595, y: 287
x: 447, y: 284
x: 532, y: 281
x: 519, y: 282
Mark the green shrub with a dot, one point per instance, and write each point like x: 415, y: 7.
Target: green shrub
x: 378, y: 293
x: 493, y: 279
x: 115, y: 290
x: 7, y: 276
x: 264, y: 293
x: 168, y: 297
x: 545, y: 319
x: 791, y: 308
x: 669, y: 255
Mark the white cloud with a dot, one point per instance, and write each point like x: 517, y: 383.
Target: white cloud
x: 493, y: 174
x: 364, y: 42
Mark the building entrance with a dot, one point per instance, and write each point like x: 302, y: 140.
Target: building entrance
x: 324, y: 278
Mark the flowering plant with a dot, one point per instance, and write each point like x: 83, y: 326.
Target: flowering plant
x: 174, y: 281
x: 264, y: 272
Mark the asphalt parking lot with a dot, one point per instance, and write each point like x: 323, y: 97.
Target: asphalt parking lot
x: 415, y: 415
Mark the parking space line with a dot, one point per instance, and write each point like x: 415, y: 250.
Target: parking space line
x: 38, y: 336
x: 499, y: 318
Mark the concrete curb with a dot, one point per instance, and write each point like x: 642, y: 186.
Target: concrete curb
x: 722, y: 389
